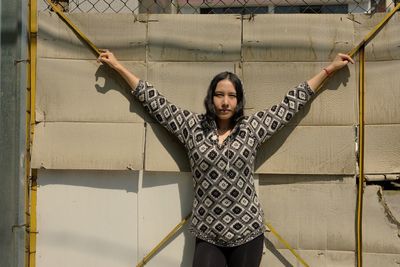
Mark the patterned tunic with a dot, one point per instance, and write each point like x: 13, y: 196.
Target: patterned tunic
x: 226, y: 210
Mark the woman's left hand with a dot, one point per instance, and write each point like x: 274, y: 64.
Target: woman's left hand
x: 339, y: 62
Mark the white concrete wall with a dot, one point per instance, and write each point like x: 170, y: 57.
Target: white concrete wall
x: 87, y: 218
x: 113, y: 183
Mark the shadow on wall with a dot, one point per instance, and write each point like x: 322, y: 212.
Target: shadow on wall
x: 170, y: 142
x: 111, y: 77
x: 269, y: 246
x: 120, y: 180
x: 275, y: 142
x: 185, y: 193
x: 188, y: 249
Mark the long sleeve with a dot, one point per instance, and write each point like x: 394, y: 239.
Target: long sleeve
x: 176, y: 120
x: 267, y: 122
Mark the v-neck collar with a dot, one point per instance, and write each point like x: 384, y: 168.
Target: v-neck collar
x: 215, y: 135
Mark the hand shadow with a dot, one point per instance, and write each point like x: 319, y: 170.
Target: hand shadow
x: 275, y: 142
x: 114, y: 81
x: 340, y: 77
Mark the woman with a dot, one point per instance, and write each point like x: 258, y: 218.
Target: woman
x: 227, y: 219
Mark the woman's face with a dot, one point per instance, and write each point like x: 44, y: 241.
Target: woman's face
x: 225, y: 100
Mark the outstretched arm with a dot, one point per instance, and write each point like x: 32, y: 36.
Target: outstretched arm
x: 339, y: 62
x: 266, y: 122
x: 108, y: 58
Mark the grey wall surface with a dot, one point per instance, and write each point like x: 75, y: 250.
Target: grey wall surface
x: 13, y: 45
x: 89, y: 129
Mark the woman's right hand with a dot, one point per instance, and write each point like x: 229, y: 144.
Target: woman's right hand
x: 108, y: 58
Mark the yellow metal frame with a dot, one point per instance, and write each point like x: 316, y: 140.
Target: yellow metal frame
x: 171, y: 234
x: 360, y: 188
x: 287, y: 245
x: 31, y: 174
x: 33, y: 40
x: 360, y: 48
x: 85, y: 39
x: 374, y: 31
x: 369, y: 36
x: 163, y: 242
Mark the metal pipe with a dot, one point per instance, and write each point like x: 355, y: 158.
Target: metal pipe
x: 360, y: 189
x: 33, y: 29
x: 382, y: 177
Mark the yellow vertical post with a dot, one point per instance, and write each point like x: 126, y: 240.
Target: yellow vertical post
x: 33, y: 28
x: 360, y: 155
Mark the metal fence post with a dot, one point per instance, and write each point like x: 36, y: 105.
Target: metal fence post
x: 13, y: 58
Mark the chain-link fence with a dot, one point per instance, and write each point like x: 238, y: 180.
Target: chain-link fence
x: 224, y: 6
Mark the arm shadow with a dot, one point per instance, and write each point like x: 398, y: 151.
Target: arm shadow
x: 113, y: 81
x: 275, y: 142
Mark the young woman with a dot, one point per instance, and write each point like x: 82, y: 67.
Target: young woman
x: 227, y: 219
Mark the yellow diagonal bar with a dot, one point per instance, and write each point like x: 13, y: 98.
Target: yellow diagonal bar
x: 60, y: 13
x: 180, y: 225
x: 369, y: 36
x: 287, y: 245
x: 374, y: 31
x: 163, y: 242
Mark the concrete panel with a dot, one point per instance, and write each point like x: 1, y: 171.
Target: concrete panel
x: 311, y: 226
x: 309, y: 150
x: 267, y: 83
x: 308, y: 224
x: 382, y: 149
x: 326, y: 258
x: 101, y: 146
x: 271, y: 179
x: 385, y: 45
x: 124, y: 34
x: 163, y: 151
x: 165, y: 199
x: 194, y: 38
x: 185, y: 83
x: 380, y: 230
x: 322, y: 258
x: 292, y: 151
x: 382, y: 92
x: 381, y: 259
x: 296, y: 37
x: 84, y: 90
x: 87, y: 218
x: 392, y: 200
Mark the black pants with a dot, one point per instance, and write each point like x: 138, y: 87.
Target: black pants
x: 246, y: 255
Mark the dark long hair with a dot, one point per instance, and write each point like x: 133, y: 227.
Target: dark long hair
x: 209, y: 103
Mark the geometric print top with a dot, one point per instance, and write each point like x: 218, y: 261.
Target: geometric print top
x: 226, y: 210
